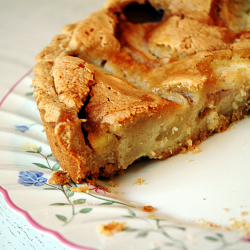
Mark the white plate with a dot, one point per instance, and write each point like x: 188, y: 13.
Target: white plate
x: 186, y: 190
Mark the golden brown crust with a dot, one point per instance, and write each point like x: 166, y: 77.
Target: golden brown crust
x: 185, y: 36
x: 169, y: 5
x: 54, y: 49
x: 232, y: 14
x: 94, y: 38
x: 73, y: 78
x: 110, y: 91
x: 113, y: 101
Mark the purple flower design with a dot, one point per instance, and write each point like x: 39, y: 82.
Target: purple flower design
x: 22, y: 129
x: 29, y: 178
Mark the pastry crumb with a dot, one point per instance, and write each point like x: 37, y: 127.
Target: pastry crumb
x: 242, y: 225
x: 59, y: 177
x: 244, y: 213
x: 113, y: 184
x: 195, y: 150
x: 140, y: 181
x: 148, y: 209
x: 184, y: 150
x: 81, y: 189
x: 213, y: 225
x: 111, y: 228
x: 226, y: 210
x: 152, y: 216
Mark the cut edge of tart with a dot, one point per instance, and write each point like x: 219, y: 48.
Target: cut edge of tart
x: 110, y: 91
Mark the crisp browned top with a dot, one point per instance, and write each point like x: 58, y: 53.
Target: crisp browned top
x: 169, y: 5
x: 174, y: 58
x: 72, y: 78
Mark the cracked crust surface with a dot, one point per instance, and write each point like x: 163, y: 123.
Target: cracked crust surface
x: 110, y: 91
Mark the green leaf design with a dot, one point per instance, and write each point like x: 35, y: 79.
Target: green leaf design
x: 107, y: 203
x: 176, y: 227
x: 79, y: 201
x: 61, y: 217
x: 29, y: 94
x: 85, y: 210
x: 50, y: 189
x: 56, y: 167
x: 211, y: 238
x: 69, y: 193
x: 169, y: 244
x: 156, y: 248
x: 128, y: 216
x: 142, y: 234
x: 130, y: 229
x: 39, y: 150
x: 59, y: 204
x: 220, y: 235
x: 30, y: 151
x: 50, y: 155
x: 41, y: 165
x: 131, y: 212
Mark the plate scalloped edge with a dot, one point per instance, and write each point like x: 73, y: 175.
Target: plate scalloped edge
x: 21, y: 211
x: 37, y: 225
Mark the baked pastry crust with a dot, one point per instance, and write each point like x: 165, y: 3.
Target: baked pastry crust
x: 110, y: 91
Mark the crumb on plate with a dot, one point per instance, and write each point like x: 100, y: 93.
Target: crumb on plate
x: 81, y: 189
x: 113, y: 184
x: 111, y: 228
x: 152, y: 216
x: 140, y: 181
x: 196, y: 150
x: 148, y: 209
x: 213, y: 225
x: 59, y: 177
x: 242, y: 225
x: 244, y: 213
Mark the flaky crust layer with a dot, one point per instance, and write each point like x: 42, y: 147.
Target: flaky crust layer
x: 110, y: 91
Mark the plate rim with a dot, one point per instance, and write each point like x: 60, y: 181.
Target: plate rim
x: 36, y: 225
x: 17, y: 209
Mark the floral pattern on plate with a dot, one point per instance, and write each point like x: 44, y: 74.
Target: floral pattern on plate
x: 29, y: 178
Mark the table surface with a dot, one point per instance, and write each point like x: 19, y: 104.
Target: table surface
x: 26, y: 27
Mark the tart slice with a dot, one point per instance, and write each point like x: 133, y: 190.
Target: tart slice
x: 113, y: 88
